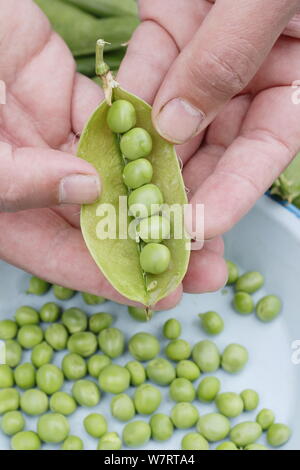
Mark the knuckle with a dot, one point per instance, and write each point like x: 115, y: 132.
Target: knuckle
x: 10, y: 195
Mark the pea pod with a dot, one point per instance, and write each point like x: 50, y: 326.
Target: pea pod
x: 106, y: 7
x: 287, y: 186
x: 99, y: 146
x: 86, y: 64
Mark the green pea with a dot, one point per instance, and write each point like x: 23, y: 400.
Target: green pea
x: 110, y: 441
x: 63, y: 293
x: 188, y: 370
x: 161, y: 427
x: 278, y: 434
x: 49, y: 379
x: 13, y: 353
x: 74, y: 366
x: 243, y: 303
x: 227, y: 446
x: 250, y: 282
x: 30, y: 335
x: 85, y: 344
x: 230, y: 404
x: 62, y: 403
x: 97, y: 363
x: 145, y: 201
x: 208, y: 389
x: 27, y: 316
x: 75, y: 320
x: 136, y: 433
x: 213, y: 426
x: 268, y: 308
x: 172, y: 329
x: 50, y: 312
x: 147, y: 399
x: 161, y: 372
x: 245, y: 433
x: 206, y: 355
x: 184, y: 415
x: 154, y: 229
x: 194, y: 441
x: 178, y: 350
x: 136, y: 143
x: 255, y: 447
x: 137, y: 373
x: 139, y: 314
x: 212, y: 323
x: 8, y: 329
x: 122, y: 407
x: 121, y: 116
x: 99, y: 322
x: 6, y: 376
x: 57, y: 336
x: 86, y: 393
x: 41, y: 354
x: 9, y: 400
x: 137, y: 173
x: 38, y: 286
x: 34, y: 402
x: 265, y: 418
x: 12, y: 423
x: 91, y: 299
x: 72, y: 443
x: 112, y: 342
x: 25, y: 376
x: 250, y: 399
x: 182, y: 390
x: 95, y: 425
x: 53, y: 428
x: 155, y: 258
x: 26, y: 440
x: 233, y: 272
x: 234, y: 358
x: 143, y: 346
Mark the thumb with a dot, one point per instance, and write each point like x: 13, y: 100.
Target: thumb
x: 34, y: 178
x: 217, y: 64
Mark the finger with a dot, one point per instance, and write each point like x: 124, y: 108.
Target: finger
x: 207, y: 272
x: 87, y: 95
x: 217, y: 64
x: 216, y: 245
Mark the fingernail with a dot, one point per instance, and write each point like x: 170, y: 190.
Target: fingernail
x: 79, y: 189
x: 179, y: 121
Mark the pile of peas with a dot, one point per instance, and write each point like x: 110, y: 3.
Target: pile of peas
x: 145, y: 199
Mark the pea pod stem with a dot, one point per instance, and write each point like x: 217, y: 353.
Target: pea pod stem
x: 104, y: 73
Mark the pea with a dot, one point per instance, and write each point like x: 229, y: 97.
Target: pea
x: 182, y: 390
x: 208, y: 389
x: 49, y: 379
x: 184, y: 415
x: 265, y: 418
x: 155, y: 258
x: 57, y: 336
x: 161, y: 372
x: 97, y: 363
x: 122, y: 407
x: 95, y: 425
x: 114, y: 379
x: 91, y: 299
x: 137, y: 173
x: 138, y: 314
x: 121, y: 116
x: 172, y: 329
x: 53, y: 428
x: 8, y: 329
x: 27, y: 316
x: 6, y: 376
x: 250, y: 399
x: 34, y: 402
x: 136, y: 143
x: 50, y: 312
x: 25, y: 376
x: 85, y: 344
x: 30, y: 335
x: 110, y: 441
x: 38, y: 286
x: 72, y: 443
x: 178, y: 350
x: 249, y: 282
x: 268, y: 308
x: 99, y: 322
x: 75, y: 320
x: 112, y: 342
x: 212, y: 323
x: 12, y: 423
x: 145, y: 201
x: 13, y: 353
x: 255, y: 447
x: 233, y: 272
x: 243, y: 303
x: 227, y: 446
x: 143, y: 346
x: 194, y: 441
x: 137, y: 373
x: 154, y: 229
x: 161, y: 427
x: 26, y: 440
x: 86, y: 393
x: 230, y: 404
x: 187, y: 370
x: 62, y: 403
x: 147, y: 399
x: 41, y: 354
x: 74, y: 366
x: 206, y: 355
x: 245, y: 433
x: 9, y: 400
x: 278, y: 434
x: 136, y: 433
x: 213, y: 426
x: 234, y: 358
x: 63, y: 293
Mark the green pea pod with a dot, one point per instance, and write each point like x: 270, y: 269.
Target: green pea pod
x: 118, y: 258
x: 287, y: 186
x: 106, y: 7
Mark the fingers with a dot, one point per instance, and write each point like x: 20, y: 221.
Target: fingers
x: 87, y: 95
x: 217, y: 64
x: 207, y: 272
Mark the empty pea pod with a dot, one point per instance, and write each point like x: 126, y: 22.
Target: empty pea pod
x: 106, y: 7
